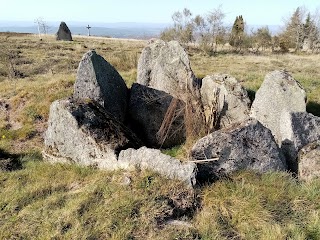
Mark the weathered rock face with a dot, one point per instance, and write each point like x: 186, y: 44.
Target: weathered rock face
x: 278, y: 94
x: 146, y: 158
x: 297, y: 131
x: 99, y: 80
x: 309, y: 161
x: 84, y: 133
x: 248, y: 146
x: 224, y: 101
x: 166, y: 67
x: 156, y: 116
x: 64, y: 32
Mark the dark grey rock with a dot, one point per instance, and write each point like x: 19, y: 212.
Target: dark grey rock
x: 156, y: 116
x: 166, y: 67
x: 224, y: 101
x: 278, y: 94
x: 297, y: 131
x: 64, y: 32
x: 249, y: 146
x: 99, y: 80
x: 84, y: 133
x: 152, y: 159
x: 309, y: 162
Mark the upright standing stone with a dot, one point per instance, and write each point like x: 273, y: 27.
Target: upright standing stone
x: 64, y: 32
x: 224, y: 101
x: 279, y: 93
x: 99, y: 80
x: 297, y: 130
x: 166, y: 67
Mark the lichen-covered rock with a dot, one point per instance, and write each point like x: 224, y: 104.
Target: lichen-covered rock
x: 84, y: 133
x: 297, y: 131
x: 224, y: 101
x: 156, y: 116
x: 99, y: 80
x: 309, y: 161
x: 278, y: 94
x: 64, y: 32
x: 249, y: 146
x: 166, y: 67
x: 152, y: 159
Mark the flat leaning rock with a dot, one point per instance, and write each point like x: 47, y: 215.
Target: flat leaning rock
x: 98, y: 80
x: 84, y: 133
x: 278, y: 94
x: 151, y: 111
x: 152, y: 159
x: 249, y: 146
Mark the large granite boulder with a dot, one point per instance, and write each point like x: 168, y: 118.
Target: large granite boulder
x: 249, y: 146
x: 152, y: 159
x: 83, y: 132
x: 99, y: 80
x: 156, y: 116
x: 224, y: 101
x: 64, y: 32
x: 166, y: 67
x: 297, y: 131
x: 309, y: 161
x: 278, y: 94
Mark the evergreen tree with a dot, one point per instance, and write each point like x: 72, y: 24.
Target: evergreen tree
x: 237, y: 32
x: 294, y: 33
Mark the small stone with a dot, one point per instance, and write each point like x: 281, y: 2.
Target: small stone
x: 309, y: 162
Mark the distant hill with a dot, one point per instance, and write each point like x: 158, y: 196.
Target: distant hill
x: 116, y: 30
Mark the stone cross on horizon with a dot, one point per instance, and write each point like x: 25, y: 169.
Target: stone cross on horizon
x: 88, y: 27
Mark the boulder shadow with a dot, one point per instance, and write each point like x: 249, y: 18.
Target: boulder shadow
x: 9, y: 162
x: 251, y: 94
x: 314, y: 108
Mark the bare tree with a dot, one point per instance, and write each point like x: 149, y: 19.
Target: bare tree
x: 211, y: 30
x: 43, y: 27
x: 237, y: 33
x: 262, y: 38
x: 183, y: 25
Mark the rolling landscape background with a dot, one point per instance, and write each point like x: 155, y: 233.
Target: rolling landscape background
x: 44, y: 200
x: 115, y: 30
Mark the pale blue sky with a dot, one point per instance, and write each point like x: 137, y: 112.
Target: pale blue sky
x: 258, y: 12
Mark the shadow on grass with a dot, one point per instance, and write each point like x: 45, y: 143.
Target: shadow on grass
x: 314, y: 108
x: 9, y: 162
x: 12, y: 162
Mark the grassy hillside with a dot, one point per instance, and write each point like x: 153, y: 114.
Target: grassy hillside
x: 44, y: 201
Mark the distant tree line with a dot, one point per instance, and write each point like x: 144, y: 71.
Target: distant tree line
x: 209, y: 32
